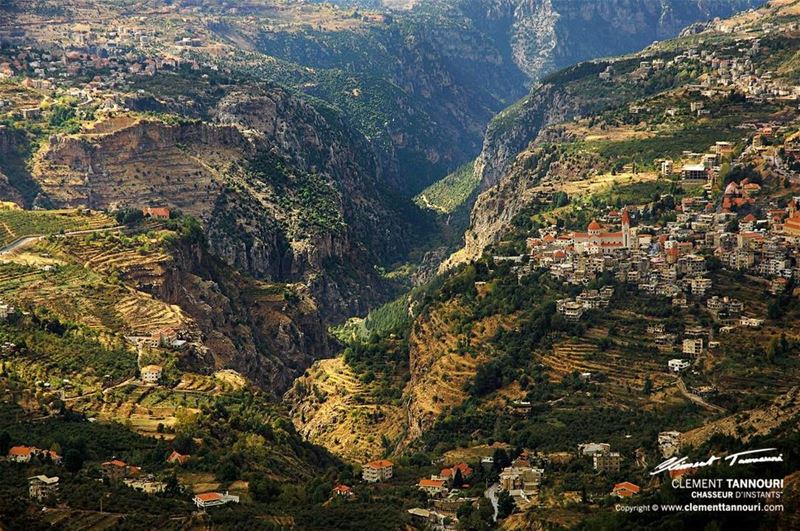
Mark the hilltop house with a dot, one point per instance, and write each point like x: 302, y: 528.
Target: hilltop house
x: 693, y: 346
x: 677, y: 365
x: 625, y: 489
x: 343, y: 491
x: 42, y: 487
x: 606, y: 461
x: 448, y: 474
x: 156, y: 212
x: 432, y: 486
x: 379, y: 470
x: 212, y: 499
x: 147, y: 484
x: 521, y: 478
x: 178, y: 458
x: 117, y: 469
x: 694, y: 172
x: 669, y: 443
x: 593, y: 448
x: 151, y: 374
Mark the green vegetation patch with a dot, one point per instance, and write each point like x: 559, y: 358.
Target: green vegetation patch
x: 16, y: 223
x: 451, y: 192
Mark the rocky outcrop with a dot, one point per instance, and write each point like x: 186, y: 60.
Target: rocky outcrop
x: 546, y: 35
x: 282, y: 192
x: 268, y: 332
x: 12, y: 142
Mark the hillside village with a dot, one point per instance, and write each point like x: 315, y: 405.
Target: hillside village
x: 637, y: 311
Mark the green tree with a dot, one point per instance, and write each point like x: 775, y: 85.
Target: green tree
x: 264, y: 489
x: 5, y: 443
x: 505, y: 504
x: 73, y: 460
x: 183, y: 444
x: 648, y: 386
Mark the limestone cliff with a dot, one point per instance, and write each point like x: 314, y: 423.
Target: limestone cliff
x: 283, y: 193
x: 269, y: 333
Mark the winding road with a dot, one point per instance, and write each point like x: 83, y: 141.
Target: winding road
x: 491, y: 494
x: 24, y: 241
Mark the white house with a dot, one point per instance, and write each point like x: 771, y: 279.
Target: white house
x: 211, y: 499
x: 677, y: 365
x: 151, y: 374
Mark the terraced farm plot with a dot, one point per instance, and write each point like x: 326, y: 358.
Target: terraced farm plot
x: 64, y: 351
x: 625, y: 371
x: 76, y: 519
x: 335, y: 410
x: 142, y: 407
x: 17, y: 223
x: 85, y: 285
x: 14, y: 276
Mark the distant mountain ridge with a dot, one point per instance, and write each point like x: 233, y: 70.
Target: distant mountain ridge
x: 546, y: 35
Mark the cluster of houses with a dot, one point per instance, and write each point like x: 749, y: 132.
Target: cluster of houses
x: 523, y: 478
x: 724, y: 68
x: 672, y: 260
x: 43, y: 488
x: 117, y: 470
x: 26, y: 454
x: 573, y: 309
x: 449, y: 477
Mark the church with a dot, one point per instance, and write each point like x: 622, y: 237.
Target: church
x: 597, y: 241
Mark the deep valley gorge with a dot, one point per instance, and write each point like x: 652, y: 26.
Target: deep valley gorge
x: 424, y: 264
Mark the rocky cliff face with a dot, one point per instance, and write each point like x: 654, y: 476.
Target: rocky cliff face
x: 269, y: 333
x: 12, y: 169
x: 421, y: 88
x: 283, y: 193
x: 545, y: 35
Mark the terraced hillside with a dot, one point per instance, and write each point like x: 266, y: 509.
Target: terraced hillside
x: 16, y: 223
x: 148, y: 280
x: 334, y: 409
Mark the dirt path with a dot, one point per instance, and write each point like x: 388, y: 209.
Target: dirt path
x: 696, y: 399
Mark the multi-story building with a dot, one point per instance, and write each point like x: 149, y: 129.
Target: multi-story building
x: 42, y: 487
x: 379, y: 470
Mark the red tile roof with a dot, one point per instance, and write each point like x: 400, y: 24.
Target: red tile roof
x: 156, y: 212
x: 209, y: 496
x: 626, y: 488
x: 20, y: 451
x: 177, y: 457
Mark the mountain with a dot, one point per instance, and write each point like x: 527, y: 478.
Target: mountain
x: 542, y: 36
x: 221, y: 229
x: 486, y: 359
x: 507, y: 181
x: 274, y: 184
